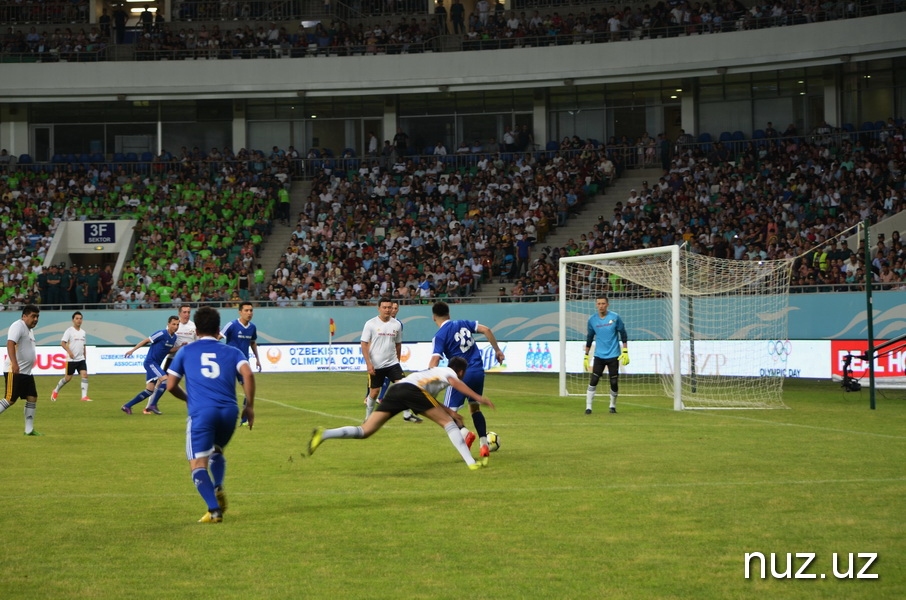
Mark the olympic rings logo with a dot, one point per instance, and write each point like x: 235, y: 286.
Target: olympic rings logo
x: 780, y: 349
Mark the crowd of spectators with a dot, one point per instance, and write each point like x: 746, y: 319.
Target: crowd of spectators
x: 782, y: 198
x: 200, y: 226
x: 419, y: 227
x: 255, y: 32
x: 422, y: 227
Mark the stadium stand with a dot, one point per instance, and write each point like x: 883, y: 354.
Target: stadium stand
x: 279, y: 29
x: 419, y: 227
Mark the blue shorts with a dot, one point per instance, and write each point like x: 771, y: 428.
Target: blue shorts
x: 153, y: 373
x: 209, y: 428
x: 474, y: 379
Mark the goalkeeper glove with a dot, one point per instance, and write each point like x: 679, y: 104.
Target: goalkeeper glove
x: 624, y: 357
x: 585, y: 362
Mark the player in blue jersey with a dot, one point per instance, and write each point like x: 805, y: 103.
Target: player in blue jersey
x: 242, y: 334
x: 455, y: 338
x: 163, y: 342
x: 606, y: 329
x: 210, y: 370
x: 418, y: 392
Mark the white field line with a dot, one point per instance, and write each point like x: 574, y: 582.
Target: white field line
x: 721, y: 414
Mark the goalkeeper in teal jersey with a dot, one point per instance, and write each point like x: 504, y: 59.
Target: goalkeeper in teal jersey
x: 606, y: 329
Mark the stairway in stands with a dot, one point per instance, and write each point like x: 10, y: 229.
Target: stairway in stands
x: 272, y: 250
x: 584, y: 222
x: 602, y: 206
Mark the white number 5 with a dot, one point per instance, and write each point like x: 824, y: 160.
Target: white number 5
x: 209, y: 366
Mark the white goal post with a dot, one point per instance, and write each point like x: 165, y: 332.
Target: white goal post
x: 726, y: 320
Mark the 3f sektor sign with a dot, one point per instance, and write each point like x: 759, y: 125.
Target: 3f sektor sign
x: 100, y: 232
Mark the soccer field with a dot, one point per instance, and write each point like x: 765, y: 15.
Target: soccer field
x: 647, y: 503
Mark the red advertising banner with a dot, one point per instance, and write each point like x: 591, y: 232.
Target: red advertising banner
x: 891, y: 364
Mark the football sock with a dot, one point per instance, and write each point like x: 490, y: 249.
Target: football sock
x: 4, y: 404
x: 30, y: 408
x: 205, y: 487
x: 141, y: 396
x: 464, y: 432
x: 84, y: 387
x: 589, y: 397
x: 217, y: 465
x: 350, y: 431
x: 613, y: 400
x: 60, y: 385
x: 347, y: 432
x: 481, y: 426
x: 369, y: 406
x: 158, y: 392
x: 456, y: 439
x: 383, y: 391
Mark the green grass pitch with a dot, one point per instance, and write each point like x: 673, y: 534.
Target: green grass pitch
x: 647, y: 503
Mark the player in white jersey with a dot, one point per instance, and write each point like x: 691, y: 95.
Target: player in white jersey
x: 418, y: 392
x: 185, y: 331
x: 382, y: 342
x: 73, y: 343
x: 21, y: 354
x: 408, y: 415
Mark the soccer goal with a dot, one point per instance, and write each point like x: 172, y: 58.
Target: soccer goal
x: 703, y: 331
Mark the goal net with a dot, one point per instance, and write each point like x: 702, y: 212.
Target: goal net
x: 703, y: 331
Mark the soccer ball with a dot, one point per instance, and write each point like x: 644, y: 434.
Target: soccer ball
x: 493, y: 441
